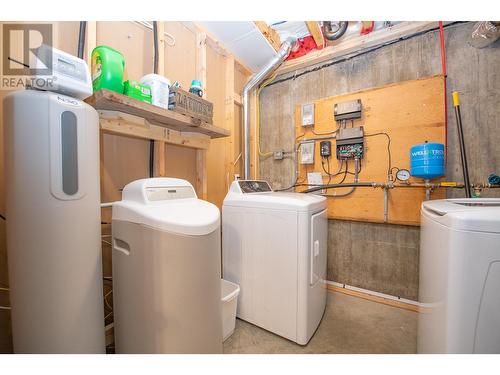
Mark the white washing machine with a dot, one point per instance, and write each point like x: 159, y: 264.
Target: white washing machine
x: 460, y: 276
x: 166, y: 270
x: 274, y: 246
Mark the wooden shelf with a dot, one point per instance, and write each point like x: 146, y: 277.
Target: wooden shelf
x: 111, y: 101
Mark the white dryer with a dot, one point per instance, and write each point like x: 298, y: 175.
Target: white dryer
x: 274, y: 246
x: 460, y: 276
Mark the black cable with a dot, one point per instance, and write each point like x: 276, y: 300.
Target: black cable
x: 389, y: 169
x: 155, y: 48
x: 3, y: 217
x: 81, y: 39
x: 345, y: 173
x: 334, y: 62
x: 332, y: 174
x: 328, y: 164
x: 337, y: 186
x: 155, y: 71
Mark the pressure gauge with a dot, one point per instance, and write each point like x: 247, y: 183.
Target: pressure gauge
x: 403, y: 175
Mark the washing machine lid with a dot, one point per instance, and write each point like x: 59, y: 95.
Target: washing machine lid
x: 277, y: 200
x: 167, y: 204
x: 472, y: 214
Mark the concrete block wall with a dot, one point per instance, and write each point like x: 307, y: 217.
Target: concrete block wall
x: 381, y: 257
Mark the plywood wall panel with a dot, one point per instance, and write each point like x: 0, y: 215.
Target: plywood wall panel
x: 180, y: 59
x: 410, y: 112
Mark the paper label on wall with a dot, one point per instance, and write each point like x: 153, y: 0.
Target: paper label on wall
x: 315, y: 178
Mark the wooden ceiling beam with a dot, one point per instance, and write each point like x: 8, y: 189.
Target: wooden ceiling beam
x: 316, y: 33
x: 269, y: 33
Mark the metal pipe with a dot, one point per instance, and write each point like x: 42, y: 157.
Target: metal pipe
x: 342, y: 185
x: 386, y: 204
x: 460, y: 131
x: 81, y: 39
x: 257, y: 78
x: 328, y: 32
x: 427, y: 190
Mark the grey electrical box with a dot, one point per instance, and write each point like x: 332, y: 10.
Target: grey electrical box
x: 307, y: 114
x: 347, y: 110
x: 279, y: 155
x: 350, y: 143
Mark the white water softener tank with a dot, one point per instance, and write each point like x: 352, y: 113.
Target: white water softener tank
x: 166, y: 270
x: 53, y: 223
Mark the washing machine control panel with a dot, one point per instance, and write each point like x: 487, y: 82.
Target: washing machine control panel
x: 247, y: 186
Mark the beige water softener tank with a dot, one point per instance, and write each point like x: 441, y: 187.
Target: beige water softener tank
x: 166, y: 270
x: 53, y: 223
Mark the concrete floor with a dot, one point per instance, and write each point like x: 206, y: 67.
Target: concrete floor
x: 350, y: 325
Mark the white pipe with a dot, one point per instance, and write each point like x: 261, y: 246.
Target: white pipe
x: 107, y: 204
x: 257, y: 78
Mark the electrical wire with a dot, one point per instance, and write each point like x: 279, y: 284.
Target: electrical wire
x: 389, y: 169
x: 106, y: 300
x: 257, y: 111
x: 325, y: 133
x: 353, y: 188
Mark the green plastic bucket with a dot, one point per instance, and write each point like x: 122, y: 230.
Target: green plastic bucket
x: 107, y: 69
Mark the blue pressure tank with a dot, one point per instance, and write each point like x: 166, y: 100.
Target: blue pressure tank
x: 427, y: 160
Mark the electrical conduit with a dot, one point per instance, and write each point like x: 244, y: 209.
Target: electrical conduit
x: 256, y: 79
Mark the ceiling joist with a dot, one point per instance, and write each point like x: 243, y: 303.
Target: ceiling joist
x: 270, y: 34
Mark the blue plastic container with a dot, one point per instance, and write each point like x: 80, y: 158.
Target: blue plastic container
x: 427, y: 160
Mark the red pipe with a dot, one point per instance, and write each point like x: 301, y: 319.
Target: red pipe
x: 443, y: 69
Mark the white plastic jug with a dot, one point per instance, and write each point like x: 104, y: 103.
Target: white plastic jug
x: 159, y: 89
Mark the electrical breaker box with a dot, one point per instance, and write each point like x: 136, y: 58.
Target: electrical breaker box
x: 307, y: 114
x: 350, y: 143
x: 307, y: 152
x: 347, y: 110
x: 325, y: 149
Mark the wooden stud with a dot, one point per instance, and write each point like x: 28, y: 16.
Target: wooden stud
x: 159, y: 168
x: 316, y: 33
x: 201, y: 174
x: 229, y: 118
x: 201, y: 60
x: 254, y: 154
x: 237, y: 99
x: 201, y: 74
x: 269, y: 33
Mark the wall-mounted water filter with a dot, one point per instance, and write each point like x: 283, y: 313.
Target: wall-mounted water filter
x: 427, y: 160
